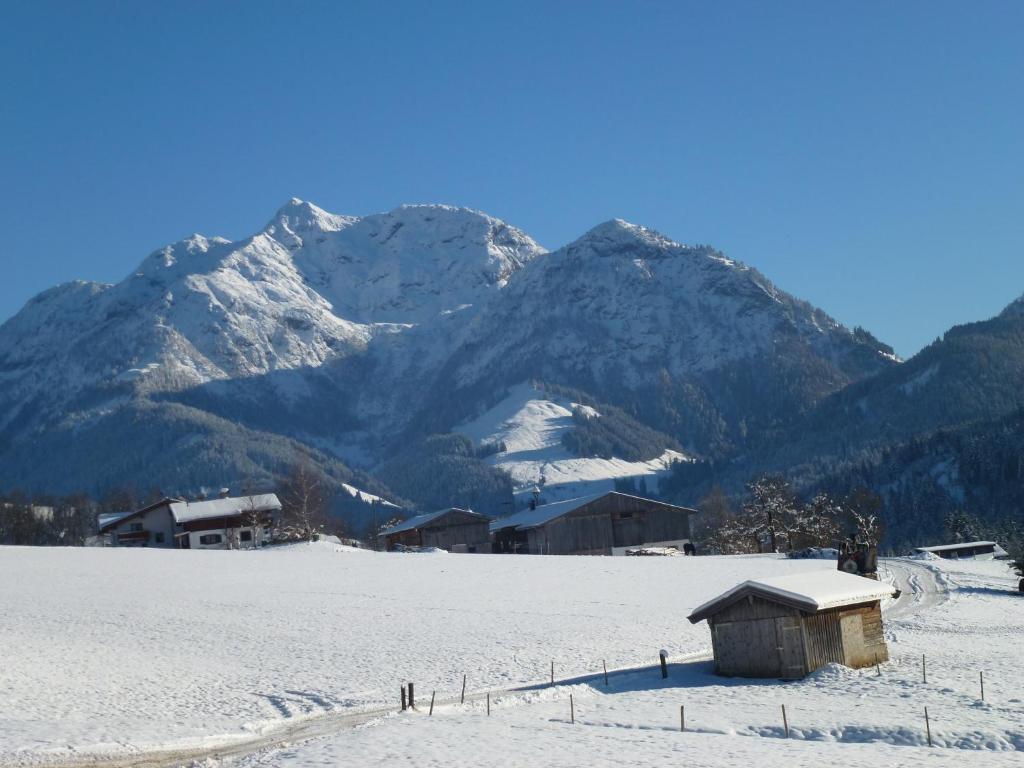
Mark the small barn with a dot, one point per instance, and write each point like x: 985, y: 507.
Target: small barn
x: 968, y: 550
x: 789, y: 626
x: 602, y: 524
x: 453, y: 529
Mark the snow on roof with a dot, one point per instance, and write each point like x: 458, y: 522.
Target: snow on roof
x: 963, y: 545
x: 420, y: 520
x: 106, y: 518
x: 187, y: 511
x: 545, y: 513
x: 812, y: 592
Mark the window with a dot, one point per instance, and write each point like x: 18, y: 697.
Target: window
x: 245, y: 535
x: 211, y: 538
x: 134, y: 527
x: 158, y: 537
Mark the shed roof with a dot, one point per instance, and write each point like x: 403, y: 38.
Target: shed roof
x: 811, y: 592
x: 421, y: 520
x: 187, y: 511
x: 545, y: 513
x: 955, y: 547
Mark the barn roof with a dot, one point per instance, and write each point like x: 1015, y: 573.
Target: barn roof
x: 187, y: 511
x: 545, y: 513
x: 420, y: 520
x: 106, y: 522
x: 811, y: 592
x: 955, y: 547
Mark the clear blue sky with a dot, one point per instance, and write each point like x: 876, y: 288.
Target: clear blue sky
x: 868, y: 157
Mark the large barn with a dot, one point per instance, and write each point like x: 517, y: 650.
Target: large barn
x: 602, y: 524
x: 789, y: 626
x: 454, y: 530
x: 223, y: 523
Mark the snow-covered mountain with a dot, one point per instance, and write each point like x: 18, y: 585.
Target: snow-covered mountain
x: 358, y: 335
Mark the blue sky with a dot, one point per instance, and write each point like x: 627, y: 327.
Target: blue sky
x: 868, y: 157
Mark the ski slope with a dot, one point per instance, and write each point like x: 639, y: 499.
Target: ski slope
x: 530, y: 423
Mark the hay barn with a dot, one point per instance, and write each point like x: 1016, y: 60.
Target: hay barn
x: 454, y: 530
x: 789, y: 626
x: 602, y: 524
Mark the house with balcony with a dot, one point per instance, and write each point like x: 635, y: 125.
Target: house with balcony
x: 242, y: 522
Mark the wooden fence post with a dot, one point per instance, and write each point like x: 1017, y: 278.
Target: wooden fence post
x: 572, y: 711
x: 432, y: 693
x: 552, y: 671
x: 682, y: 718
x: 924, y: 669
x: 785, y: 722
x: 981, y: 677
x: 878, y: 670
x: 928, y: 726
x: 488, y: 703
x: 605, y: 665
x: 463, y: 699
x: 663, y: 658
x: 403, y: 699
x: 412, y: 699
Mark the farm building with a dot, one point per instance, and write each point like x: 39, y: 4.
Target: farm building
x: 602, y: 524
x: 223, y: 523
x: 969, y: 550
x: 454, y: 530
x: 789, y: 626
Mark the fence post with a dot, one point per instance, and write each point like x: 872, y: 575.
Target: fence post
x: 682, y: 718
x: 924, y: 669
x: 432, y: 694
x: 663, y: 657
x: 412, y: 700
x: 981, y: 677
x: 878, y: 670
x: 572, y: 711
x: 552, y: 672
x: 785, y: 722
x: 488, y: 703
x: 928, y: 726
x: 403, y: 699
x: 463, y: 699
x: 605, y: 665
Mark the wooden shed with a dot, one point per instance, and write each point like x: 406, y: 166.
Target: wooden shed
x: 453, y: 529
x: 789, y: 626
x: 602, y: 524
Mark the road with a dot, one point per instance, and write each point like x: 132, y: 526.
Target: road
x: 919, y: 585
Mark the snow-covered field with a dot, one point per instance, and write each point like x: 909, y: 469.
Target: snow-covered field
x: 115, y: 652
x: 531, y: 424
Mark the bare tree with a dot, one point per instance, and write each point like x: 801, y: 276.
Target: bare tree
x: 817, y: 522
x: 864, y: 508
x: 304, y: 501
x: 770, y: 512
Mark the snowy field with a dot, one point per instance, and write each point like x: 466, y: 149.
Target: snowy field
x: 225, y: 657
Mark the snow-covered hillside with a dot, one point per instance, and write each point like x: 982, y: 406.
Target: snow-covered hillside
x: 110, y: 652
x: 352, y: 333
x: 530, y: 424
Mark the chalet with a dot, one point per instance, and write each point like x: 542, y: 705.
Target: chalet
x: 969, y: 550
x: 789, y: 626
x: 453, y: 529
x: 602, y: 524
x: 223, y: 523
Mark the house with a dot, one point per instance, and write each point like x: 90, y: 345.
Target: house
x: 453, y: 529
x: 601, y: 524
x: 789, y: 626
x: 222, y: 523
x: 969, y: 550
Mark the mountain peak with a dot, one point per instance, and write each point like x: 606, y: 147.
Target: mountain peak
x: 1014, y: 309
x: 613, y: 235
x: 298, y: 217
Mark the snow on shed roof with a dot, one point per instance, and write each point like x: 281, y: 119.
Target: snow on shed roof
x: 420, y: 520
x: 812, y: 592
x: 187, y: 511
x: 545, y: 513
x: 953, y: 547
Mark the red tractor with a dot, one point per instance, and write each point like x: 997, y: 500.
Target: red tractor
x: 859, y: 558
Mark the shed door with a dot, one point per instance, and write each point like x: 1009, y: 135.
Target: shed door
x: 791, y: 648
